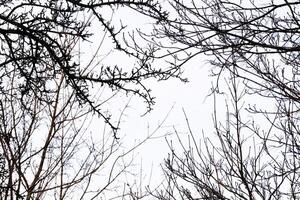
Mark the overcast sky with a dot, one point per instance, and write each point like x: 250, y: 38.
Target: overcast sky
x: 171, y: 97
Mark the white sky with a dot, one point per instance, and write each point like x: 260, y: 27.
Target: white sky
x: 171, y: 96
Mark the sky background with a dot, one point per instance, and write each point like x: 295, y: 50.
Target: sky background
x: 171, y: 97
x: 145, y: 136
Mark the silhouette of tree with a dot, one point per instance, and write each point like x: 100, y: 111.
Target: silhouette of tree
x: 48, y: 98
x: 256, y: 44
x: 37, y: 44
